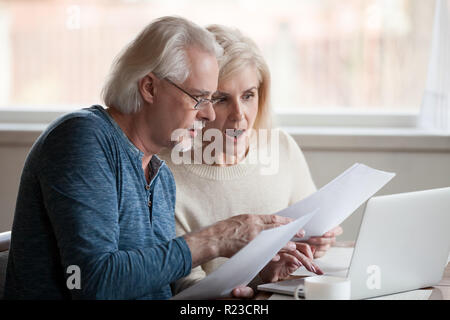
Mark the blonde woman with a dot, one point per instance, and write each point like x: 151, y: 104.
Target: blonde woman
x: 228, y: 181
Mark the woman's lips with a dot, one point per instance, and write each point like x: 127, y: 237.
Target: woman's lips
x: 234, y: 134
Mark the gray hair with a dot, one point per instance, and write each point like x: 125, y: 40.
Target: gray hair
x: 159, y: 48
x: 239, y: 51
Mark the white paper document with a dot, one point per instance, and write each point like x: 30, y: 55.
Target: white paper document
x: 338, y: 199
x: 244, y: 265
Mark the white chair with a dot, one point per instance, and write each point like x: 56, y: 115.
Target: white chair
x: 5, y: 240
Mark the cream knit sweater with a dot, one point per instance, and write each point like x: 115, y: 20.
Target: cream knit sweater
x: 206, y: 194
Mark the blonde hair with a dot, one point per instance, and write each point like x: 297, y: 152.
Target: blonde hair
x: 239, y: 51
x: 159, y: 48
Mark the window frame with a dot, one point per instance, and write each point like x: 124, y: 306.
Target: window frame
x: 314, y: 131
x: 282, y: 117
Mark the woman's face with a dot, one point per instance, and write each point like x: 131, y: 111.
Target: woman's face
x: 236, y: 110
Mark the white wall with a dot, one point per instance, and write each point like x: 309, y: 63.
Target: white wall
x: 417, y: 166
x: 415, y: 171
x: 12, y: 159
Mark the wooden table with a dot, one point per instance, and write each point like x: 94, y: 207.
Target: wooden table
x: 442, y: 290
x: 439, y: 292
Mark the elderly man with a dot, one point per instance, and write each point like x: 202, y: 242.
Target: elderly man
x: 95, y: 210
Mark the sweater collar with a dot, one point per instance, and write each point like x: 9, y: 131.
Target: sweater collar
x: 212, y: 172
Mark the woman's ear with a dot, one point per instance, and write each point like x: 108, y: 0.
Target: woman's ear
x: 147, y: 87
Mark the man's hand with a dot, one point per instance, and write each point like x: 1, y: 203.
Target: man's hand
x: 226, y: 237
x: 236, y: 232
x: 320, y: 245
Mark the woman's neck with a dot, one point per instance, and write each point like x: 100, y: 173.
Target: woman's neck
x: 224, y: 159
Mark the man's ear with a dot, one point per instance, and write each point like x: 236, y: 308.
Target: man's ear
x: 147, y: 87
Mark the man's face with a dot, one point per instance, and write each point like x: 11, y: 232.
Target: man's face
x: 175, y: 109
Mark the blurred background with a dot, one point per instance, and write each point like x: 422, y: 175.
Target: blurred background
x: 348, y: 77
x: 352, y: 54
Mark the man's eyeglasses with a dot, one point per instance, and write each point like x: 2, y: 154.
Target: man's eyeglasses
x: 201, y: 103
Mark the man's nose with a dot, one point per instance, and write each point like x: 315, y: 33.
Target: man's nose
x: 207, y: 113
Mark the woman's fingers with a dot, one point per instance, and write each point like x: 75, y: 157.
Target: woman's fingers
x: 333, y: 233
x: 243, y: 292
x: 301, y: 233
x: 290, y: 246
x: 305, y: 249
x: 319, y: 252
x: 308, y: 263
x: 320, y: 241
x: 276, y: 258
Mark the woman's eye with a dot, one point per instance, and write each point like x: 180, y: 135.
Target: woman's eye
x: 248, y: 96
x: 220, y: 100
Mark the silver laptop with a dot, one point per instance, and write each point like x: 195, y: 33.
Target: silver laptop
x: 403, y: 244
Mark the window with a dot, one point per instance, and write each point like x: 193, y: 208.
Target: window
x: 362, y: 55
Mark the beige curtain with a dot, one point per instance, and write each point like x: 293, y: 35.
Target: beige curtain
x: 435, y: 112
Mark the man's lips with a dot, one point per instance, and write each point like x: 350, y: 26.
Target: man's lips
x: 193, y: 132
x: 197, y: 126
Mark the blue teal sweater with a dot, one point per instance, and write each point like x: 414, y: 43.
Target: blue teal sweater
x: 83, y: 200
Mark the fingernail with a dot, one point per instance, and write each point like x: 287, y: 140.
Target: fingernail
x: 238, y: 291
x: 314, y: 269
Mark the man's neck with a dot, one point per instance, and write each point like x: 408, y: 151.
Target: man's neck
x: 136, y: 133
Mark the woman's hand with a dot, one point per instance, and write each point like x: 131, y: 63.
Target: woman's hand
x: 320, y: 245
x: 286, y: 262
x: 242, y: 292
x: 282, y: 265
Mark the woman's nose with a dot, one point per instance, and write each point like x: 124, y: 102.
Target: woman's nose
x: 236, y: 112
